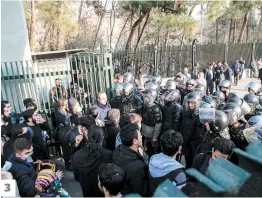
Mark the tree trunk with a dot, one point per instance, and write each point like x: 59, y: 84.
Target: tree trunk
x: 80, y: 13
x: 32, y: 26
x: 180, y: 53
x: 131, y: 35
x: 234, y: 32
x: 240, y: 39
x: 216, y: 31
x: 141, y: 33
x: 113, y: 26
x: 44, y: 41
x: 58, y: 33
x: 230, y: 30
x: 99, y: 25
x: 51, y: 40
x: 121, y: 32
x: 247, y: 35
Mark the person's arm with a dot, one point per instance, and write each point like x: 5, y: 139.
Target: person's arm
x: 26, y: 184
x: 139, y: 181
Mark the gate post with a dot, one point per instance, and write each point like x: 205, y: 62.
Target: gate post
x: 155, y: 61
x: 193, y: 55
x: 253, y: 52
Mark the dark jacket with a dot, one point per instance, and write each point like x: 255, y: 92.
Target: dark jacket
x: 201, y: 162
x: 260, y: 74
x: 25, y: 176
x: 162, y: 167
x: 86, y: 163
x: 82, y: 120
x: 135, y: 168
x: 71, y: 135
x: 114, y: 102
x: 63, y: 124
x: 228, y: 74
x: 218, y: 71
x: 111, y: 131
x: 238, y: 137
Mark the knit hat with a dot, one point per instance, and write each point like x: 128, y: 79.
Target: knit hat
x: 44, y: 180
x: 71, y: 104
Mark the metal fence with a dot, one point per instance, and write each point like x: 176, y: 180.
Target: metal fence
x: 172, y: 59
x: 35, y: 79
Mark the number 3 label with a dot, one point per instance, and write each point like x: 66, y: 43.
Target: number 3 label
x: 7, y: 188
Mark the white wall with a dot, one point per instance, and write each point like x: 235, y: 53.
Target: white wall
x: 14, y: 47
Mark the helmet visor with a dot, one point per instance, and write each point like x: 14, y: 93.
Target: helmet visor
x: 207, y: 115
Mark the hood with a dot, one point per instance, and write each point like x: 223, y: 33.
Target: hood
x: 124, y: 155
x: 161, y: 164
x: 85, y: 160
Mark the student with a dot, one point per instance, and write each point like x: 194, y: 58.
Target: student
x: 111, y: 180
x: 86, y: 162
x: 164, y: 166
x: 102, y: 105
x: 222, y: 149
x: 128, y: 158
x: 23, y: 172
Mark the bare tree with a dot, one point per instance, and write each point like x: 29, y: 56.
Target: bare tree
x: 32, y: 26
x: 240, y: 39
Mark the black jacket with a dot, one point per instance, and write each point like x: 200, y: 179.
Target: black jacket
x: 86, y: 163
x: 111, y: 131
x: 25, y: 176
x: 63, y: 124
x: 201, y: 162
x: 114, y: 102
x: 238, y: 137
x: 135, y: 168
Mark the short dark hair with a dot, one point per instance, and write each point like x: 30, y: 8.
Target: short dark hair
x: 224, y: 146
x: 95, y: 134
x: 128, y: 133
x: 3, y: 104
x: 112, y: 178
x: 22, y: 144
x: 93, y: 111
x: 170, y: 142
x: 28, y: 114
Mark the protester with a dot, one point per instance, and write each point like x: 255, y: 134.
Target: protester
x: 57, y: 92
x: 112, y: 128
x: 186, y: 75
x: 164, y: 166
x: 86, y: 162
x: 228, y: 73
x: 6, y: 124
x: 210, y: 80
x: 111, y: 180
x: 102, y: 105
x: 218, y: 75
x: 222, y: 148
x: 242, y: 67
x: 117, y: 91
x: 237, y: 71
x: 201, y: 79
x: 128, y: 158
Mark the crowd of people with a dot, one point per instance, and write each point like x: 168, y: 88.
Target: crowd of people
x: 137, y: 139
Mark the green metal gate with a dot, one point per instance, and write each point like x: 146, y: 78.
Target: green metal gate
x: 34, y: 79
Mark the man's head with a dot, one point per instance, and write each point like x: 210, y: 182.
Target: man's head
x: 171, y: 143
x: 185, y: 70
x: 74, y: 106
x: 62, y: 104
x: 201, y: 75
x: 131, y: 136
x: 6, y: 109
x: 222, y: 149
x: 102, y: 98
x: 135, y: 119
x: 23, y: 148
x: 29, y: 115
x: 80, y: 76
x: 110, y: 179
x: 58, y: 82
x: 114, y: 115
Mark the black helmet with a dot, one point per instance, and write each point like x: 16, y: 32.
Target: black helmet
x: 209, y: 103
x: 150, y: 85
x: 200, y: 88
x: 128, y: 77
x: 179, y: 78
x: 255, y: 121
x: 192, y: 97
x: 252, y: 101
x: 170, y: 85
x: 191, y: 82
x: 255, y: 86
x: 149, y: 96
x: 219, y: 97
x: 128, y: 88
x: 242, y: 103
x: 172, y: 96
x: 233, y: 111
x: 220, y: 123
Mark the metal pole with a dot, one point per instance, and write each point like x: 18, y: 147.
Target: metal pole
x: 201, y: 23
x: 193, y: 55
x: 226, y: 53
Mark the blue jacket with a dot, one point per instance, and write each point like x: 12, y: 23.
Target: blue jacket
x: 103, y: 109
x: 228, y: 74
x: 24, y: 174
x: 161, y: 165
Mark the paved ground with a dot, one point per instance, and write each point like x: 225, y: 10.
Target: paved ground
x: 73, y: 186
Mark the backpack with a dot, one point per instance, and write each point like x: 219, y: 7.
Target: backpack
x: 237, y: 68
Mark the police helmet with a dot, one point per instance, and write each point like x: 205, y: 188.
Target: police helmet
x: 259, y: 110
x: 179, y: 78
x: 233, y: 111
x: 200, y: 88
x: 191, y: 82
x: 220, y: 123
x: 208, y: 103
x: 170, y: 85
x: 118, y: 87
x: 194, y: 97
x: 246, y: 109
x: 157, y: 79
x: 219, y: 97
x: 254, y: 86
x: 149, y: 96
x: 225, y: 83
x: 255, y: 121
x: 150, y: 85
x: 172, y: 96
x: 128, y: 77
x: 128, y: 88
x: 252, y: 101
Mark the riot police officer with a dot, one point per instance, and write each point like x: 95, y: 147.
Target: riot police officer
x: 224, y: 86
x: 201, y: 89
x: 191, y: 127
x: 115, y: 101
x: 246, y: 109
x: 219, y: 97
x: 151, y: 122
x: 172, y: 110
x: 236, y: 124
x: 190, y: 84
x: 253, y: 102
x: 208, y: 103
x: 129, y: 103
x: 128, y: 78
x: 254, y: 88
